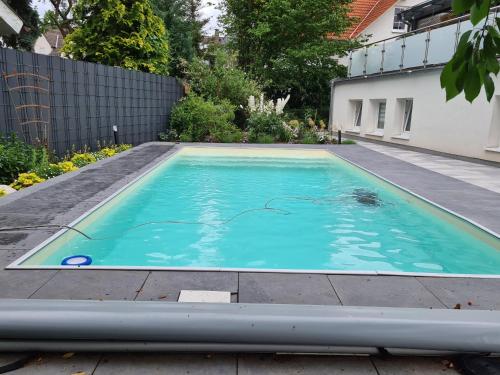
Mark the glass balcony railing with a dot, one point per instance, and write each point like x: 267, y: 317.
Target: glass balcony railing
x: 421, y: 48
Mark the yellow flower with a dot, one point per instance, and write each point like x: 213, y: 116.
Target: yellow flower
x: 25, y: 180
x: 67, y: 166
x: 81, y: 160
x: 107, y: 152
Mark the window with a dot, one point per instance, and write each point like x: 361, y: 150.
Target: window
x: 381, y: 115
x: 407, y: 115
x: 397, y: 24
x: 358, y: 109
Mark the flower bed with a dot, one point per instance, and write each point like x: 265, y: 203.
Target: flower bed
x: 23, y: 165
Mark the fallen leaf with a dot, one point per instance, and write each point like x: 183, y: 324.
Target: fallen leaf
x: 458, y: 306
x: 68, y: 355
x: 79, y: 373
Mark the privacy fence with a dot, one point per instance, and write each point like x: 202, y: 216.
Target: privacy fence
x: 73, y: 104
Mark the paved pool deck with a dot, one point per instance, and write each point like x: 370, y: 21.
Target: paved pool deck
x: 63, y: 199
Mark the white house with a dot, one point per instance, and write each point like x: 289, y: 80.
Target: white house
x: 50, y: 43
x: 10, y: 23
x: 393, y: 94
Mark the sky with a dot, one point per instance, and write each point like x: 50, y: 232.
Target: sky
x: 209, y: 11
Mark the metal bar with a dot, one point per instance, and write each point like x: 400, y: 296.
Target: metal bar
x: 32, y: 105
x: 25, y: 74
x: 33, y: 121
x: 29, y: 87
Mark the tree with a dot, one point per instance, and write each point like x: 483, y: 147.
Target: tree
x: 475, y: 59
x: 30, y: 30
x: 197, y: 22
x: 60, y: 17
x: 122, y: 33
x: 174, y: 14
x: 289, y: 45
x: 216, y: 76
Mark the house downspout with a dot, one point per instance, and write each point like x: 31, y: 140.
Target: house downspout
x: 333, y: 82
x: 47, y: 325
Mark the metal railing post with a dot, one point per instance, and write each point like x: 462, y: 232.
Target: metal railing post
x: 349, y: 69
x: 382, y: 59
x: 403, y: 46
x: 366, y: 60
x: 427, y: 42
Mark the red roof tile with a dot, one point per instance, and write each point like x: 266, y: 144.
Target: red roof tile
x: 365, y: 12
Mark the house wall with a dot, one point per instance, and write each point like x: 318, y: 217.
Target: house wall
x: 42, y: 46
x: 10, y: 23
x: 381, y: 28
x: 455, y: 127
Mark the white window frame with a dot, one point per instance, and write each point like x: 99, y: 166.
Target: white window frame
x: 358, y: 112
x: 407, y: 116
x: 380, y: 103
x: 395, y: 21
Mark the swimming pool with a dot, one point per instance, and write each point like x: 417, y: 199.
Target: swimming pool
x: 214, y: 208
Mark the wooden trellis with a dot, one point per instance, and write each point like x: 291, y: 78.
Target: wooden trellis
x: 29, y: 94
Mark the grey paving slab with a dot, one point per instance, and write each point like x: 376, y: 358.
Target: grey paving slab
x: 166, y: 364
x: 385, y: 291
x: 304, y: 365
x: 93, y: 284
x: 56, y: 364
x: 166, y: 285
x: 486, y: 176
x: 469, y: 293
x: 20, y: 283
x: 285, y: 288
x: 24, y: 240
x: 461, y: 197
x: 413, y: 366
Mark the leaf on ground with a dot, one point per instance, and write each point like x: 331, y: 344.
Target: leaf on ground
x: 79, y: 373
x: 68, y: 355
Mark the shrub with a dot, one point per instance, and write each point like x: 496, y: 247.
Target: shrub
x: 25, y: 180
x: 227, y: 134
x: 221, y: 78
x: 198, y: 120
x: 2, y: 192
x: 107, y: 152
x: 122, y: 147
x: 264, y: 138
x: 309, y: 137
x: 67, y: 166
x: 49, y: 171
x: 259, y: 124
x: 81, y: 160
x: 18, y: 157
x: 348, y: 142
x: 169, y: 136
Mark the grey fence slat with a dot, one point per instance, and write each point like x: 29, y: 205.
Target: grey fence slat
x: 86, y: 100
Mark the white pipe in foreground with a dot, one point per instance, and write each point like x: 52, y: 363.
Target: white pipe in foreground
x: 24, y: 323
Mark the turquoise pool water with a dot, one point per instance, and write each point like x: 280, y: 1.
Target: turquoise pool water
x: 290, y: 210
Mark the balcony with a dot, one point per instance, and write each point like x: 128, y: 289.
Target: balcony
x: 419, y: 49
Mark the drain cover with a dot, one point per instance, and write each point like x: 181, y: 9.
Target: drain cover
x: 208, y: 296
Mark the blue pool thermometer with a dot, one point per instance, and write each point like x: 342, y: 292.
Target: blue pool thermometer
x: 77, y: 260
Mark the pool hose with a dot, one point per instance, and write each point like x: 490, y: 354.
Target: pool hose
x: 371, y: 198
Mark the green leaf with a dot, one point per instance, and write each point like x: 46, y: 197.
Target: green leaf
x: 472, y: 84
x: 477, y: 13
x: 447, y: 77
x: 461, y: 6
x: 489, y: 86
